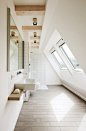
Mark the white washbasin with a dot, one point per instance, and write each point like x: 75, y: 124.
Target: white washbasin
x: 26, y: 84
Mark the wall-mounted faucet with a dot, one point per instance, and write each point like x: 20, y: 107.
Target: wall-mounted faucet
x: 21, y: 73
x: 12, y: 77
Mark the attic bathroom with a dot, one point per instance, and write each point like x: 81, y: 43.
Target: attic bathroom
x: 42, y: 65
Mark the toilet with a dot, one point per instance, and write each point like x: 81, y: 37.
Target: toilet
x: 37, y: 85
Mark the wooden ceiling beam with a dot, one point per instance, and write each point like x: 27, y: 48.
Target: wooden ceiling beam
x: 31, y: 27
x: 13, y: 37
x: 30, y: 9
x: 33, y: 38
x: 34, y: 47
x: 13, y: 28
x: 32, y: 43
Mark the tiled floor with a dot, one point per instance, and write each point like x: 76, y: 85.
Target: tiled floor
x: 56, y: 109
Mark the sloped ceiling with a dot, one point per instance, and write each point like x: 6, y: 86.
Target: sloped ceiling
x: 70, y: 21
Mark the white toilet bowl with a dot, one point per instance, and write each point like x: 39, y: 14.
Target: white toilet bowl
x: 37, y: 85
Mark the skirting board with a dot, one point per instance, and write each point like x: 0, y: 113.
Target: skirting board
x: 72, y: 89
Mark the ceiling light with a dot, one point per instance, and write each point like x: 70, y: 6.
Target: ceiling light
x: 34, y: 41
x: 12, y: 33
x: 35, y: 34
x: 34, y: 21
x: 17, y: 42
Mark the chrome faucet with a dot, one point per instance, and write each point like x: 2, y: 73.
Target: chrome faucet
x: 21, y: 73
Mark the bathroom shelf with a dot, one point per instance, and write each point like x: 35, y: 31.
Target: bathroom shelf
x: 15, y: 96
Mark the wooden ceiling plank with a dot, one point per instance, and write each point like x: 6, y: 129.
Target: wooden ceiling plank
x: 13, y: 37
x: 34, y: 47
x: 13, y: 28
x: 31, y: 27
x: 29, y: 7
x: 32, y: 43
x: 32, y: 37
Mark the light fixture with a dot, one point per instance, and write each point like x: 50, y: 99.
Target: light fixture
x: 12, y: 33
x: 34, y: 21
x: 35, y: 34
x: 34, y: 41
x: 17, y: 42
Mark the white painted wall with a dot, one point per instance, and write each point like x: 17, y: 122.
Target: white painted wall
x: 51, y: 76
x: 53, y: 63
x: 70, y: 21
x: 9, y: 111
x: 76, y: 79
x: 38, y: 67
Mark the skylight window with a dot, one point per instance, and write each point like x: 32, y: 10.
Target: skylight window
x: 58, y: 59
x: 70, y: 56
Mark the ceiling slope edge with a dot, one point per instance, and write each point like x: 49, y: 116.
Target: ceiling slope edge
x: 49, y: 12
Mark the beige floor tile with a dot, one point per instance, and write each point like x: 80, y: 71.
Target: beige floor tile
x: 25, y: 116
x: 22, y: 129
x: 32, y: 113
x: 43, y: 116
x: 81, y: 124
x: 28, y: 120
x: 68, y: 124
x: 72, y: 129
x: 33, y: 124
x: 35, y: 110
x: 45, y: 129
x: 75, y: 119
x: 51, y: 119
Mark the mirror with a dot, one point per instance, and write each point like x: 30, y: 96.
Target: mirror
x: 15, y: 47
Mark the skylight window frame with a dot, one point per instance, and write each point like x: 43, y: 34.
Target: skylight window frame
x: 70, y: 62
x: 58, y: 61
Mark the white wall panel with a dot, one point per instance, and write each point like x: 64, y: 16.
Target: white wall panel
x: 38, y: 67
x: 52, y: 77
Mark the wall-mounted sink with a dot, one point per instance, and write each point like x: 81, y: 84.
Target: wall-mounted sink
x: 26, y: 84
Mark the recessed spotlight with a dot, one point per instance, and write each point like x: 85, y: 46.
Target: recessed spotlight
x: 34, y: 41
x: 34, y: 21
x: 35, y: 34
x: 12, y: 33
x: 17, y: 42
